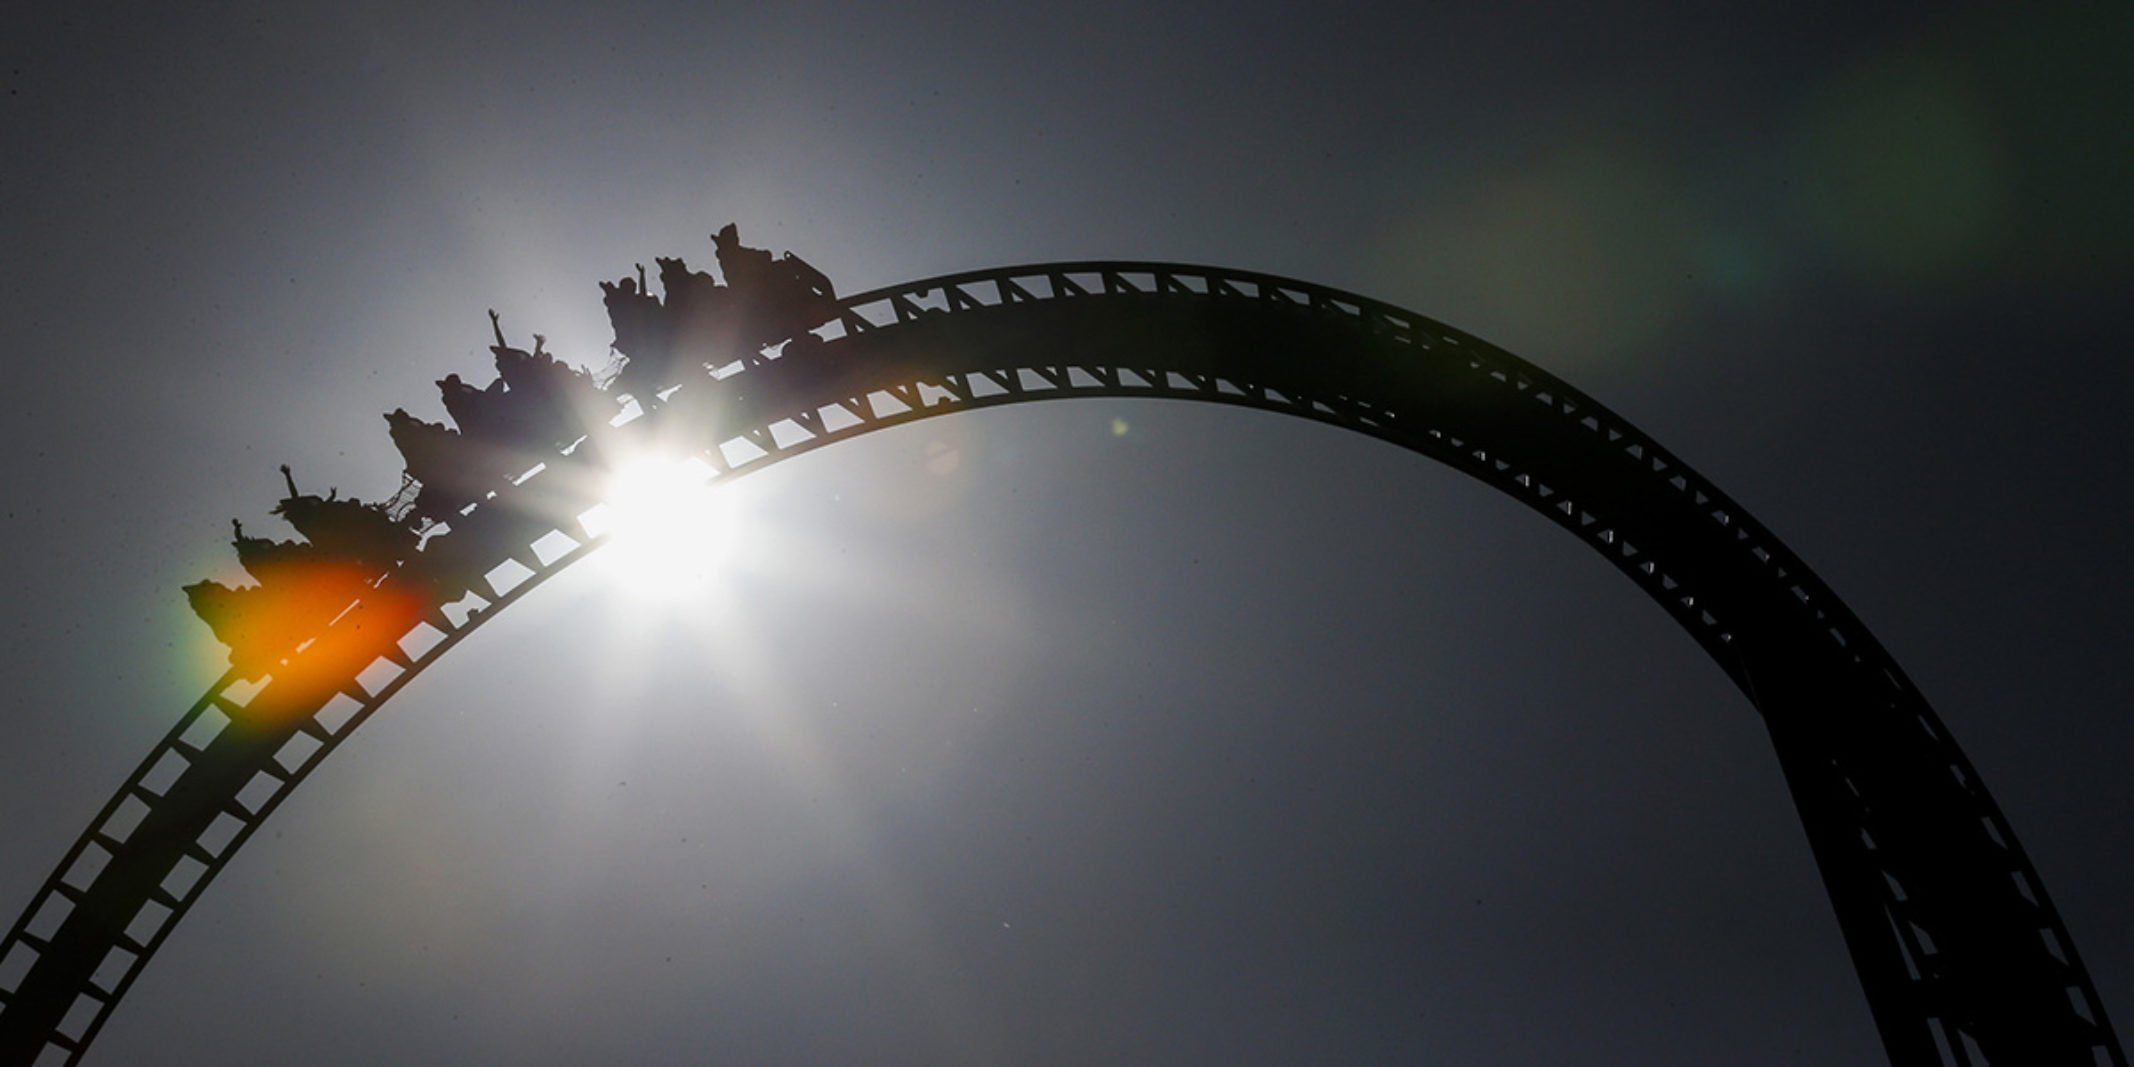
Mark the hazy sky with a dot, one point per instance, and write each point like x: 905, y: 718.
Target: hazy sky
x: 1010, y: 738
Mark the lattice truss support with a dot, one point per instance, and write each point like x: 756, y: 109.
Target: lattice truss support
x: 1961, y: 953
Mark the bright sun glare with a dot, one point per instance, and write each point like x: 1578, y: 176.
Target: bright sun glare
x: 669, y: 533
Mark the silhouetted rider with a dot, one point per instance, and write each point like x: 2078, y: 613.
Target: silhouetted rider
x: 635, y: 315
x: 453, y: 470
x: 350, y: 530
x: 550, y: 404
x: 780, y: 298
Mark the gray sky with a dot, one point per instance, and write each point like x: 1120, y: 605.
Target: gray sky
x: 1013, y: 738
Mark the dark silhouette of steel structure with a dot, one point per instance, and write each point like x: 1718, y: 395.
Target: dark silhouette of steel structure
x: 1962, y: 956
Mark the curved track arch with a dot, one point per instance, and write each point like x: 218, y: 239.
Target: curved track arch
x: 1961, y: 954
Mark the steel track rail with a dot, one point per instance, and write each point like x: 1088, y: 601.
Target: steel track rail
x: 1961, y: 953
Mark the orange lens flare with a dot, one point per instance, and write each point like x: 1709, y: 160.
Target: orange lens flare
x: 309, y: 622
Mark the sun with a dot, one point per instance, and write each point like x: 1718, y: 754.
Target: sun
x: 670, y: 532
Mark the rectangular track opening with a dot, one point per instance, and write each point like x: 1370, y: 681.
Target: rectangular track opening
x: 785, y: 433
x: 16, y: 964
x: 418, y: 642
x: 112, y: 971
x: 183, y: 877
x: 125, y: 818
x: 335, y: 713
x: 148, y: 922
x: 552, y: 546
x: 50, y: 914
x: 258, y: 792
x: 886, y: 404
x: 83, y: 871
x: 205, y: 728
x: 297, y: 751
x: 380, y: 674
x: 79, y: 1017
x: 218, y: 835
x: 740, y: 450
x: 837, y: 418
x: 166, y: 771
x: 506, y: 576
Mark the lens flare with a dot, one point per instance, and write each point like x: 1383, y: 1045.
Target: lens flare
x: 1904, y: 169
x: 669, y: 533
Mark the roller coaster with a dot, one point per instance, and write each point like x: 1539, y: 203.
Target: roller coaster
x: 1960, y: 952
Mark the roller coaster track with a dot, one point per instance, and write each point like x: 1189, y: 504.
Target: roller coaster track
x: 1962, y: 956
